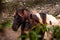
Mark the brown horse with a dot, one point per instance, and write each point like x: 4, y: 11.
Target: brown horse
x: 26, y: 19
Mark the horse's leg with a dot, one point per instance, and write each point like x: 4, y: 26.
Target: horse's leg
x: 40, y: 35
x: 49, y: 34
x: 22, y: 33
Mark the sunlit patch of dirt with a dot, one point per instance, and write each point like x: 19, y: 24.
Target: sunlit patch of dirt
x: 9, y: 34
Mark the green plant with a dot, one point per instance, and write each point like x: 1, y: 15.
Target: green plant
x: 34, y: 33
x: 5, y: 24
x: 57, y: 32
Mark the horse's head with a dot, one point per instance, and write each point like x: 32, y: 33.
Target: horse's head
x: 19, y: 17
x: 30, y: 23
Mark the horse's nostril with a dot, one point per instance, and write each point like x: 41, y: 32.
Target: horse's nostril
x: 26, y: 32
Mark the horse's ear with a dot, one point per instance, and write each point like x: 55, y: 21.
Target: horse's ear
x: 25, y: 12
x: 20, y: 13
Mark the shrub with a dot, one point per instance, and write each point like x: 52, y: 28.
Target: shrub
x: 5, y: 24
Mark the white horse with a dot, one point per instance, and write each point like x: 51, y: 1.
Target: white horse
x: 50, y: 21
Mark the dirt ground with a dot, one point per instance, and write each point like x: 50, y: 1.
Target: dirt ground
x: 9, y: 34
